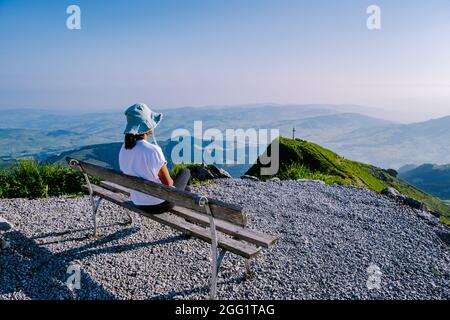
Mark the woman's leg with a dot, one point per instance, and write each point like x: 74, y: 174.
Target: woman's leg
x: 157, y: 208
x: 182, y: 180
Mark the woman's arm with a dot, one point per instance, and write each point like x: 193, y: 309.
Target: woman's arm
x: 164, y: 176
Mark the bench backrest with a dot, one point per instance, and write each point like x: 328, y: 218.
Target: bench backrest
x: 220, y: 210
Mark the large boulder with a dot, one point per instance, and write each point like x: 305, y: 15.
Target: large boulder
x: 409, y: 201
x: 429, y: 218
x: 248, y: 177
x: 208, y: 172
x: 413, y: 203
x: 391, y: 192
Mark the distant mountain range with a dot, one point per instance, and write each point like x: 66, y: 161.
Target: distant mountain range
x: 42, y: 133
x: 431, y: 178
x: 395, y: 145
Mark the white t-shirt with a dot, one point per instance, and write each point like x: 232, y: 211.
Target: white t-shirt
x: 143, y: 161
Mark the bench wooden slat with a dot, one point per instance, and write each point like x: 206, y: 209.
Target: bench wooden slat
x: 228, y: 244
x: 221, y: 210
x: 252, y: 236
x: 115, y: 187
x: 249, y: 235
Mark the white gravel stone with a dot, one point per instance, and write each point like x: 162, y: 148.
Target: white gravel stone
x: 329, y: 236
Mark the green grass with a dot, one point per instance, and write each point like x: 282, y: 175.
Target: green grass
x: 296, y: 172
x: 305, y: 160
x: 177, y: 168
x: 30, y: 179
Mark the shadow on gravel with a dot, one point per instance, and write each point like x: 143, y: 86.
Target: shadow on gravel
x: 66, y: 232
x: 95, y: 247
x: 36, y: 273
x: 203, y: 289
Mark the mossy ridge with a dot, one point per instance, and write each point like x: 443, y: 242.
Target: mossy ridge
x: 301, y: 159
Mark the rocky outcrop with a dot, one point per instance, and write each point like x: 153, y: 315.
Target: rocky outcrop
x: 208, y: 172
x: 392, y: 172
x: 249, y: 177
x: 313, y: 181
x: 422, y: 210
x: 391, y: 192
x: 409, y: 201
x: 413, y: 203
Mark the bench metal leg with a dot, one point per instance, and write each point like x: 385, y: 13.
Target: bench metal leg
x: 215, y: 268
x: 95, y: 205
x: 94, y: 211
x: 130, y: 218
x: 216, y: 259
x: 220, y: 259
x: 248, y: 268
x: 249, y: 273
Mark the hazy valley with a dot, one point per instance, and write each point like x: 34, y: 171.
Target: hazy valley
x: 45, y: 134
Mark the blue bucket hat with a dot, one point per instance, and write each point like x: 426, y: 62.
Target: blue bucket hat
x: 141, y: 119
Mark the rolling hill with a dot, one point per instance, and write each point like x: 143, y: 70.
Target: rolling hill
x: 43, y: 133
x: 302, y: 159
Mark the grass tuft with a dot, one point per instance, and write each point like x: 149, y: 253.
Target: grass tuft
x: 31, y: 179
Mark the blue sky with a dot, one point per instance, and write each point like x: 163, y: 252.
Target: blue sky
x: 195, y: 52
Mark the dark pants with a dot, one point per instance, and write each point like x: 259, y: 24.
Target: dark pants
x: 180, y: 182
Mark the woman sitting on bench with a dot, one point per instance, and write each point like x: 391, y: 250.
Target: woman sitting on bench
x: 142, y: 159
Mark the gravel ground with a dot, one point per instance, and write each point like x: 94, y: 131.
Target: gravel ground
x: 335, y: 243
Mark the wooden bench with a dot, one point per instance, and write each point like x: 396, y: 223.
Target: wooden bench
x: 221, y: 224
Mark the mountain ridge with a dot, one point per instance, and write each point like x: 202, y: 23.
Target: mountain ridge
x: 432, y: 178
